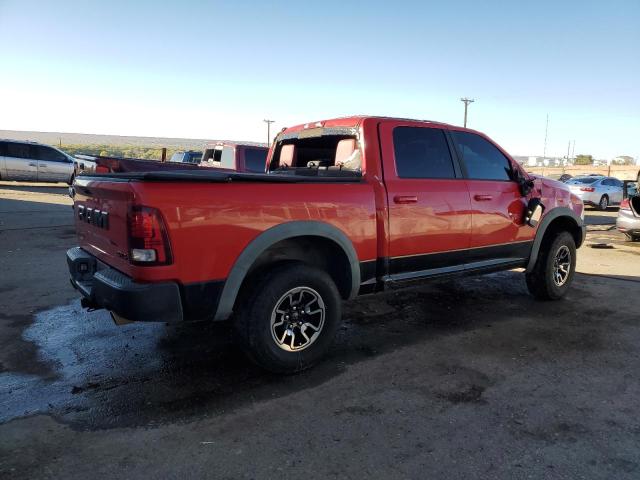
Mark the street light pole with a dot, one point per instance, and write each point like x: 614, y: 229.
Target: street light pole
x: 466, y: 101
x: 268, y: 122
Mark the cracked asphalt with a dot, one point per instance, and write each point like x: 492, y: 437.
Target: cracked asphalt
x: 460, y: 379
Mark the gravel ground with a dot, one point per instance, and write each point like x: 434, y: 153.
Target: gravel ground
x: 461, y: 379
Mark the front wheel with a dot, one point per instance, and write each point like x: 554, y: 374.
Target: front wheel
x: 289, y: 319
x: 554, y: 268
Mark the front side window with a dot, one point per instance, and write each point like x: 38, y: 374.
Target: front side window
x: 46, y: 153
x: 422, y: 153
x: 483, y: 159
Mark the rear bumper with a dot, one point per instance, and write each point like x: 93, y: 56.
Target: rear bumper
x: 628, y: 223
x: 104, y: 287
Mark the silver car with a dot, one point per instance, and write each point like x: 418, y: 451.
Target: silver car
x: 34, y: 162
x: 596, y: 190
x: 628, y: 221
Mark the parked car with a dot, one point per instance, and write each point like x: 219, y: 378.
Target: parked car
x: 597, y: 190
x: 189, y: 156
x: 348, y: 207
x: 565, y: 177
x: 34, y: 162
x: 628, y: 221
x: 241, y: 157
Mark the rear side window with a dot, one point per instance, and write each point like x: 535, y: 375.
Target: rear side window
x: 255, y: 159
x: 483, y: 159
x: 3, y: 149
x: 422, y: 153
x: 18, y: 150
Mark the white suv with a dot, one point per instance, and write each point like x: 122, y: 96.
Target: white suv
x: 34, y: 162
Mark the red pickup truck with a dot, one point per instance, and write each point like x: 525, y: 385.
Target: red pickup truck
x: 346, y: 207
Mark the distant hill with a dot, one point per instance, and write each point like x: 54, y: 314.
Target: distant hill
x: 56, y: 138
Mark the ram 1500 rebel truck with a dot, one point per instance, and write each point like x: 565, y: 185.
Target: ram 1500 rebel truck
x: 347, y: 207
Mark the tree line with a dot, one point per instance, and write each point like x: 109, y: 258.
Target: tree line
x: 122, y: 151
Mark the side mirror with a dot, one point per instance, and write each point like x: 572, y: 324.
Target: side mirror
x: 534, y: 212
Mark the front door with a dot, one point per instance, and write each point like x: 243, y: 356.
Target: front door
x: 499, y: 232
x: 429, y: 205
x: 53, y: 166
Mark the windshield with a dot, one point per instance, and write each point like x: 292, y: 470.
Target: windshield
x: 327, y: 155
x: 584, y: 180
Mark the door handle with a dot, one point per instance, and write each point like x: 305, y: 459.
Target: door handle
x: 482, y: 198
x: 33, y: 164
x: 403, y: 199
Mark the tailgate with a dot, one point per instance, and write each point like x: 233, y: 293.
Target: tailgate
x: 100, y: 210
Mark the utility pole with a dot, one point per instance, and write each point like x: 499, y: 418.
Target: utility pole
x: 573, y: 150
x: 268, y: 122
x: 466, y: 101
x: 546, y: 131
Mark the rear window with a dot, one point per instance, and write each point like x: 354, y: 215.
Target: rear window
x: 194, y: 158
x: 326, y: 155
x: 255, y: 159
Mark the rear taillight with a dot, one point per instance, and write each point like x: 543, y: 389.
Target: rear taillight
x: 587, y: 189
x: 148, y: 239
x: 625, y: 204
x: 102, y: 169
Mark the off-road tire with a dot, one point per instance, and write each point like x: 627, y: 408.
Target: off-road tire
x: 540, y: 280
x: 603, y: 204
x: 252, y: 322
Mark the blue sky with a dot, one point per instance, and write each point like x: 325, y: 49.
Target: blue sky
x: 217, y: 69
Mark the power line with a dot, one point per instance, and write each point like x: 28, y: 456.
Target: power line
x: 466, y: 101
x: 268, y: 122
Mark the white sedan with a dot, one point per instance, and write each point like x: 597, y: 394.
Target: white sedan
x: 598, y: 191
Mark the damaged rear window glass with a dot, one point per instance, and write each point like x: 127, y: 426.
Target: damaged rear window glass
x: 327, y: 155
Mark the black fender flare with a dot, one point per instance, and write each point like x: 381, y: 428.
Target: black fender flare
x: 270, y: 237
x: 544, y: 224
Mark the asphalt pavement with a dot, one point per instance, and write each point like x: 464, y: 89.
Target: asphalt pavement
x: 469, y: 378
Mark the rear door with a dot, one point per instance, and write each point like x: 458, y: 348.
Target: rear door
x: 429, y: 205
x: 19, y: 162
x: 499, y: 233
x: 53, y: 166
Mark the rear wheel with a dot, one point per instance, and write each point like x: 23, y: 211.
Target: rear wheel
x: 603, y: 203
x: 554, y: 268
x: 288, y: 320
